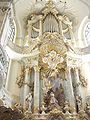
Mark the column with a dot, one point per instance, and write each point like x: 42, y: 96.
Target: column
x: 40, y: 31
x: 69, y: 88
x: 61, y: 29
x: 36, y: 88
x: 26, y: 83
x: 78, y: 86
x: 29, y: 29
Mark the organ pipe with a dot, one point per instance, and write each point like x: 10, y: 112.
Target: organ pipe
x: 50, y: 24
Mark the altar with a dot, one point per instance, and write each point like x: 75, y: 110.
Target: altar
x: 52, y: 69
x: 49, y: 79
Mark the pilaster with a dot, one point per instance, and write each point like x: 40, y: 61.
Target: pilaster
x: 29, y: 29
x: 78, y: 86
x: 26, y: 83
x: 36, y: 88
x: 69, y: 88
x: 40, y: 31
x: 60, y: 26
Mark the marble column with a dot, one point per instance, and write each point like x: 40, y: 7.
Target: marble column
x: 69, y: 88
x: 78, y: 86
x: 26, y: 83
x: 36, y: 88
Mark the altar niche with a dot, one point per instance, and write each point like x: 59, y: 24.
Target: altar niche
x: 52, y: 83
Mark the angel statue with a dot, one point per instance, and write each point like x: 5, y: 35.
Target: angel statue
x: 47, y: 85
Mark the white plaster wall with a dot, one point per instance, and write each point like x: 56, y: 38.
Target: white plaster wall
x: 13, y: 72
x: 86, y: 73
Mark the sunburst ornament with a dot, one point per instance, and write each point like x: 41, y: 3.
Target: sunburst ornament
x: 52, y: 59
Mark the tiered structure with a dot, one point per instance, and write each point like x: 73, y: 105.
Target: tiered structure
x: 47, y: 77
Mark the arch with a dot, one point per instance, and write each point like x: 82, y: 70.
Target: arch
x: 81, y: 32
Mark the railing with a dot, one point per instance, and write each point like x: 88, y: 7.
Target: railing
x: 4, y: 61
x: 3, y: 23
x: 11, y: 34
x: 8, y: 29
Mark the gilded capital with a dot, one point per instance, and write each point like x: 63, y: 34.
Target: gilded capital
x: 27, y: 69
x: 37, y: 68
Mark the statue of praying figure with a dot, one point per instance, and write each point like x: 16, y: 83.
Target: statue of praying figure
x: 28, y: 101
x: 54, y: 102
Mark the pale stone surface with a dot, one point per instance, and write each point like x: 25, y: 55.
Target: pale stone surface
x: 36, y: 88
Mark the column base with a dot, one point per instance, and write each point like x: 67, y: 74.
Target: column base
x: 36, y: 109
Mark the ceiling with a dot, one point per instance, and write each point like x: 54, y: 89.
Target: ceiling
x: 24, y: 7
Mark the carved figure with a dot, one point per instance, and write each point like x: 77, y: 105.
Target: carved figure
x: 87, y: 110
x: 20, y: 79
x: 47, y: 98
x: 47, y: 84
x: 53, y: 59
x: 18, y: 107
x: 53, y: 102
x: 67, y: 21
x: 59, y: 95
x: 68, y: 114
x: 78, y: 102
x: 28, y: 101
x: 67, y: 107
